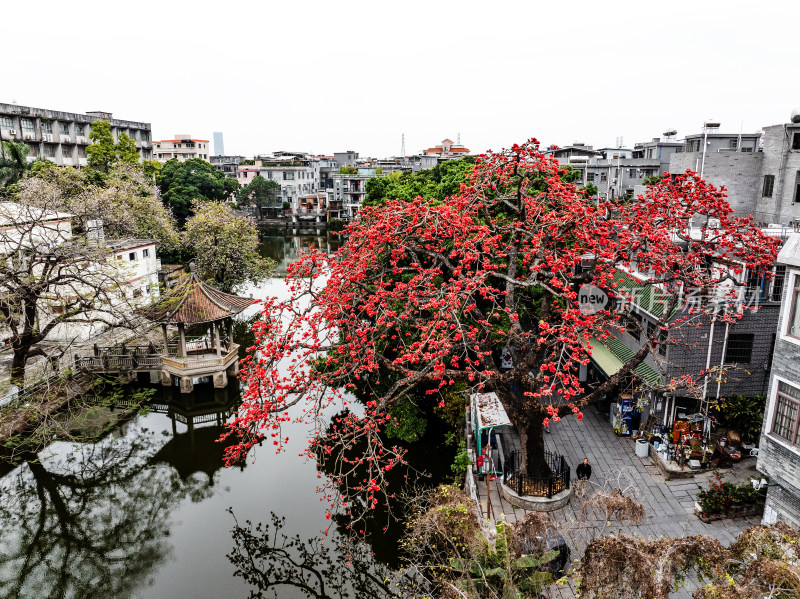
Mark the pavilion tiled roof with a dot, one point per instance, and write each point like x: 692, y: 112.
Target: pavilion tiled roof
x: 195, y: 302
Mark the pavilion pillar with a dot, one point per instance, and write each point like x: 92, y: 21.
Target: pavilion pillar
x: 187, y: 384
x: 220, y: 380
x: 165, y: 353
x: 230, y: 333
x: 166, y: 379
x: 217, y: 343
x: 182, y: 331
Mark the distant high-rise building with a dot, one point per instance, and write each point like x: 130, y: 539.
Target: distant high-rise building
x: 219, y: 147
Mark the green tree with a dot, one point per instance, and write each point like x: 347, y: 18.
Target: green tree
x: 13, y: 162
x: 652, y: 179
x: 224, y: 246
x: 260, y: 192
x: 103, y: 153
x: 590, y: 189
x: 182, y: 183
x: 441, y: 181
x: 126, y: 150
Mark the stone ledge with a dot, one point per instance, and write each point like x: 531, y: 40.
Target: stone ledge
x: 536, y: 504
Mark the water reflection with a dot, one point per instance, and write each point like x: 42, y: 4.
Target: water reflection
x: 284, y: 245
x: 88, y: 520
x: 278, y: 565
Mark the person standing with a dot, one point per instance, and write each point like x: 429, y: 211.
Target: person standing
x: 584, y: 470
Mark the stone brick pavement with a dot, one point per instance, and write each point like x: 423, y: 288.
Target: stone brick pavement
x: 669, y: 504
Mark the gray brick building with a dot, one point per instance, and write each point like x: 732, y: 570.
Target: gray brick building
x: 779, y: 451
x: 742, y: 350
x: 760, y: 171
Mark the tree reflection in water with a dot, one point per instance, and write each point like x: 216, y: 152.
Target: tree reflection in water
x: 90, y: 520
x: 278, y: 565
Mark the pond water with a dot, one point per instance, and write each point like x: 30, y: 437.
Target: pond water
x: 150, y: 511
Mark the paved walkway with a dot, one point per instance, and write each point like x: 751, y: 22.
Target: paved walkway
x: 669, y: 504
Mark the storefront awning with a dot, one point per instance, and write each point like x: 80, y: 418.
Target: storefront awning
x: 488, y: 411
x: 611, y: 354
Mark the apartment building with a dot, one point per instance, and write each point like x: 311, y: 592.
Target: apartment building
x: 297, y: 173
x: 779, y: 449
x: 62, y: 137
x: 446, y: 150
x: 227, y: 164
x: 182, y: 147
x: 742, y: 349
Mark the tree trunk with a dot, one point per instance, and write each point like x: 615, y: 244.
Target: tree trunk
x: 531, y: 440
x: 18, y: 367
x: 527, y: 420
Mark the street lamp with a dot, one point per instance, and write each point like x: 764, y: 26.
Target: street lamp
x: 706, y: 126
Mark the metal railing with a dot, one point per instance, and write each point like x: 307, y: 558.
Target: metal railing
x: 534, y: 486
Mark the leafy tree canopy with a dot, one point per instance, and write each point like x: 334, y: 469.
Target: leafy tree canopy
x: 441, y: 181
x: 13, y: 162
x: 182, y: 183
x: 259, y: 192
x: 103, y: 153
x: 224, y: 246
x: 127, y: 202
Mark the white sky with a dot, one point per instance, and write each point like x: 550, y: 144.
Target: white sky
x: 330, y: 76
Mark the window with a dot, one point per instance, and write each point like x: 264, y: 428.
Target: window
x: 589, y: 177
x: 632, y: 173
x: 603, y: 177
x: 796, y: 187
x: 755, y: 282
x: 734, y: 143
x: 746, y: 150
x: 81, y: 152
x: 662, y: 343
x: 64, y: 128
x: 787, y: 407
x: 66, y: 151
x: 634, y: 325
x: 793, y: 326
x: 769, y: 186
x: 50, y: 150
x: 5, y: 122
x: 27, y: 126
x: 740, y: 348
x: 691, y: 145
x: 145, y: 252
x: 132, y: 256
x: 796, y: 141
x: 778, y: 279
x: 47, y: 127
x: 80, y: 130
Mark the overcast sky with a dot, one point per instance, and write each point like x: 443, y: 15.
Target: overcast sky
x: 330, y: 76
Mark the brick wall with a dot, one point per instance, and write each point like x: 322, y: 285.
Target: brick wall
x: 738, y: 172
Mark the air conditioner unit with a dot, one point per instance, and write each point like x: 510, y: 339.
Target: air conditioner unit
x: 66, y: 139
x: 81, y: 139
x: 12, y: 132
x: 28, y: 136
x: 47, y: 137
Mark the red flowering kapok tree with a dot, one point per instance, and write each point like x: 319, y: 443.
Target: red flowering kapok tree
x: 427, y: 294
